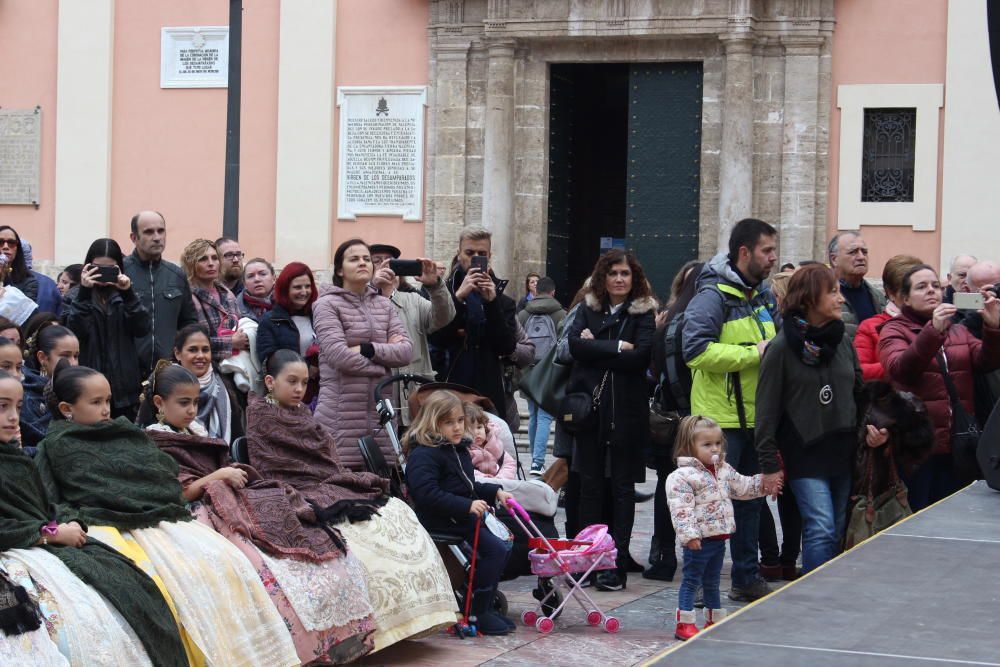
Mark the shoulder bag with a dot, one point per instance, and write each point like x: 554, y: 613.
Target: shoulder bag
x: 869, y: 514
x: 964, y: 430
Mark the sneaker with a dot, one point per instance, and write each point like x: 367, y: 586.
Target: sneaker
x: 537, y: 470
x: 754, y: 591
x: 610, y: 580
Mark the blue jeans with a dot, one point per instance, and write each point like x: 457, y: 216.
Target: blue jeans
x: 742, y: 455
x: 702, y: 569
x: 539, y: 425
x: 823, y: 506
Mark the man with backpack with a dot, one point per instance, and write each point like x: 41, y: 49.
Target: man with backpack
x: 542, y: 319
x: 727, y: 326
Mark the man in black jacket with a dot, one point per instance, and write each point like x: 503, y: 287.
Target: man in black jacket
x: 161, y: 286
x: 483, y: 330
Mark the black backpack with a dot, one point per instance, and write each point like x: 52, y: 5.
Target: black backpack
x: 675, y: 379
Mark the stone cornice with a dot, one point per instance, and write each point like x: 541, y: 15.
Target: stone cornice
x: 451, y: 50
x: 802, y: 45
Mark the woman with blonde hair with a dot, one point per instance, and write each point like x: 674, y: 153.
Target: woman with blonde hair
x: 214, y: 303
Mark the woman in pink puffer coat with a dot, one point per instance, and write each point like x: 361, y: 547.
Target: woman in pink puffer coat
x: 360, y: 338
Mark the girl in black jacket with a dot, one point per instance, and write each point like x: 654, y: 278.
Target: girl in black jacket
x: 107, y: 316
x: 448, y: 498
x: 611, y: 340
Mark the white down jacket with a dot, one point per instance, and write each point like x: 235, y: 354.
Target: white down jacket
x: 700, y: 504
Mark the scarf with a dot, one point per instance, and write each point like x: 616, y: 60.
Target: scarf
x: 25, y: 507
x: 919, y: 318
x: 259, y: 307
x: 271, y: 514
x: 288, y: 445
x: 815, y: 346
x: 111, y: 473
x: 214, y: 410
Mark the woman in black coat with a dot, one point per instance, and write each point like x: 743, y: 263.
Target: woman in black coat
x: 107, y: 316
x: 288, y: 325
x: 13, y: 267
x: 610, y: 340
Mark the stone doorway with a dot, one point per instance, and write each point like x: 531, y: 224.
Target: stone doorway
x: 624, y: 167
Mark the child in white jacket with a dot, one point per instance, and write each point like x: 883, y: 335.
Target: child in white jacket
x: 699, y: 493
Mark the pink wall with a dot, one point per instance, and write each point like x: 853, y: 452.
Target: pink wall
x: 381, y: 43
x: 889, y: 41
x: 28, y: 36
x: 168, y: 146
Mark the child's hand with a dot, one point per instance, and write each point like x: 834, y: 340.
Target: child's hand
x: 69, y: 534
x: 503, y: 497
x: 694, y: 545
x: 234, y: 477
x: 478, y: 507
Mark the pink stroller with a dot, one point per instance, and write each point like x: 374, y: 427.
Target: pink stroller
x: 592, y: 549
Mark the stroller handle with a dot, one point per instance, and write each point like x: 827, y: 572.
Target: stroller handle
x: 514, y: 506
x: 400, y: 377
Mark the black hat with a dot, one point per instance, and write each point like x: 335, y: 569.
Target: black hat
x: 384, y: 249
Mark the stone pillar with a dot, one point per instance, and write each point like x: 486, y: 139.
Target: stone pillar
x: 498, y: 169
x: 448, y: 150
x: 799, y: 222
x: 736, y: 158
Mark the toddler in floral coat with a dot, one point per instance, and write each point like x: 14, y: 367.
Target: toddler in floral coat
x: 699, y: 494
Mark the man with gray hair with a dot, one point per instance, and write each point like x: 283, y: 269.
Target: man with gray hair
x: 483, y: 330
x: 848, y: 255
x: 956, y: 276
x: 985, y: 386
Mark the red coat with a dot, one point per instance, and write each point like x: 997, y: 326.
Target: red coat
x: 907, y: 350
x: 866, y: 344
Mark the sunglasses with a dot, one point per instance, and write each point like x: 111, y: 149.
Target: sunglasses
x: 8, y: 242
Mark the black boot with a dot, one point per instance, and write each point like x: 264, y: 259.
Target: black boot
x: 662, y: 563
x: 486, y: 621
x: 511, y: 626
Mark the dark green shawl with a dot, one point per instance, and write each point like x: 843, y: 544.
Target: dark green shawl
x: 25, y: 507
x: 111, y: 474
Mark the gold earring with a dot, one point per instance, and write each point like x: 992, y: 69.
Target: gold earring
x: 270, y: 397
x: 160, y: 416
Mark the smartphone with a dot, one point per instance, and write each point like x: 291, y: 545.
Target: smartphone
x: 406, y: 267
x: 968, y: 300
x: 480, y: 262
x: 107, y: 274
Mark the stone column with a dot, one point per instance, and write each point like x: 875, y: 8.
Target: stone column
x: 799, y: 223
x: 447, y: 130
x: 736, y: 158
x: 498, y: 169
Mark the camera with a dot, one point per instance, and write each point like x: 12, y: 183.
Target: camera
x: 107, y: 275
x: 406, y: 267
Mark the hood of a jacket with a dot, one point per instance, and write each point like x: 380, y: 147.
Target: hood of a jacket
x: 543, y: 305
x: 718, y: 269
x: 638, y: 307
x: 33, y: 381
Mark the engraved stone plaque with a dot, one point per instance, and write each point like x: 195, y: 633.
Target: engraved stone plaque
x: 20, y: 155
x: 195, y: 57
x: 381, y: 151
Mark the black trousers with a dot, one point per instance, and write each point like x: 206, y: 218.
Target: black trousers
x: 618, y: 511
x: 791, y: 532
x: 663, y: 544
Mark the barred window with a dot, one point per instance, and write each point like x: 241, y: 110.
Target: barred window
x: 887, y: 155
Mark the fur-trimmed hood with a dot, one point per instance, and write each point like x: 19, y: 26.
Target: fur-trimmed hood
x: 637, y: 307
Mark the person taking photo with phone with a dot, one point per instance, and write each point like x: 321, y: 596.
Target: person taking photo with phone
x: 107, y: 316
x: 420, y: 316
x: 483, y: 330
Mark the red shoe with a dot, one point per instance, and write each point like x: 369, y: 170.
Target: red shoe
x: 686, y: 629
x: 713, y: 616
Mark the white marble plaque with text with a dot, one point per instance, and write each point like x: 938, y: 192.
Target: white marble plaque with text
x: 381, y: 151
x: 20, y: 155
x: 194, y: 57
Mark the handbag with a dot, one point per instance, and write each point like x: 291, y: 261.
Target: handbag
x: 545, y: 382
x: 870, y: 515
x: 578, y: 410
x: 663, y: 423
x: 499, y: 530
x: 965, y: 431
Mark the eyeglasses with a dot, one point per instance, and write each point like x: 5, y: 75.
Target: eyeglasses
x: 8, y: 242
x: 233, y: 256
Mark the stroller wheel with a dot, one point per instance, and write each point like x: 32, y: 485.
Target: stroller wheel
x: 545, y: 586
x: 500, y: 603
x: 544, y: 625
x: 612, y: 625
x: 529, y: 617
x: 594, y: 617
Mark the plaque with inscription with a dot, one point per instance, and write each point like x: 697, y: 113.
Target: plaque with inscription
x: 20, y: 155
x: 195, y: 57
x: 381, y: 151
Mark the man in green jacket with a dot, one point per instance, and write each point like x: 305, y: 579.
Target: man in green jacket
x: 727, y: 326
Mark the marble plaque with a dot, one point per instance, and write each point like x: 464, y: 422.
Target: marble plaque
x: 381, y: 151
x: 20, y: 155
x: 194, y: 57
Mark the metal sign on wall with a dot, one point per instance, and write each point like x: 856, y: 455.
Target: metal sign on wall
x: 381, y: 151
x: 20, y: 155
x: 194, y: 57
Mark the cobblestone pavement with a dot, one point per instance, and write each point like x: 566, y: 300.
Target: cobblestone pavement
x: 645, y: 610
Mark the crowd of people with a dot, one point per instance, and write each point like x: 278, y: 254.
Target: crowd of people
x: 128, y: 531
